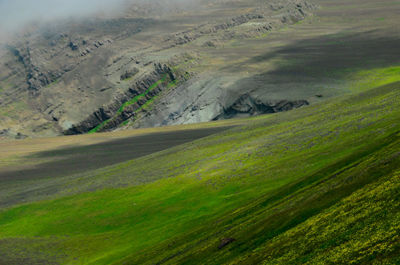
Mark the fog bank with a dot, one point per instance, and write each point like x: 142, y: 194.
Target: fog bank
x: 16, y: 14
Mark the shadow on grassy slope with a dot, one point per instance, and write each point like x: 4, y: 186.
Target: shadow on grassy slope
x: 325, y: 65
x: 79, y: 159
x: 333, y: 54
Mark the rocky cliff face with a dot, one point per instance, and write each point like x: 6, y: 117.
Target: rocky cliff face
x: 249, y: 106
x: 126, y: 105
x: 151, y: 66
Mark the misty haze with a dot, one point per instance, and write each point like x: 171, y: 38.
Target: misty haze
x: 17, y: 12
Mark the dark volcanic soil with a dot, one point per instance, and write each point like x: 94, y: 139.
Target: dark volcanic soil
x: 83, y: 158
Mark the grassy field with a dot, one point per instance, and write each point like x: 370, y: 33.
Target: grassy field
x: 316, y: 185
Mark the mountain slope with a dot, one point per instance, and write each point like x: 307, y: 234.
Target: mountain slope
x: 320, y: 182
x: 153, y: 65
x: 96, y: 73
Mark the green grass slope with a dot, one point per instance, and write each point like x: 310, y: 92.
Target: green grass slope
x: 317, y: 185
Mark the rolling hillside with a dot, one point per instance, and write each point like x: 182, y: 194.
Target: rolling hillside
x: 316, y: 185
x: 203, y: 132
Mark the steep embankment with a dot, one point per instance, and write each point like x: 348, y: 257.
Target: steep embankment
x: 315, y: 184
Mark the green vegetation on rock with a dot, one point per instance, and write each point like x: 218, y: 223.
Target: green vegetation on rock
x: 136, y: 99
x: 99, y: 127
x: 131, y: 102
